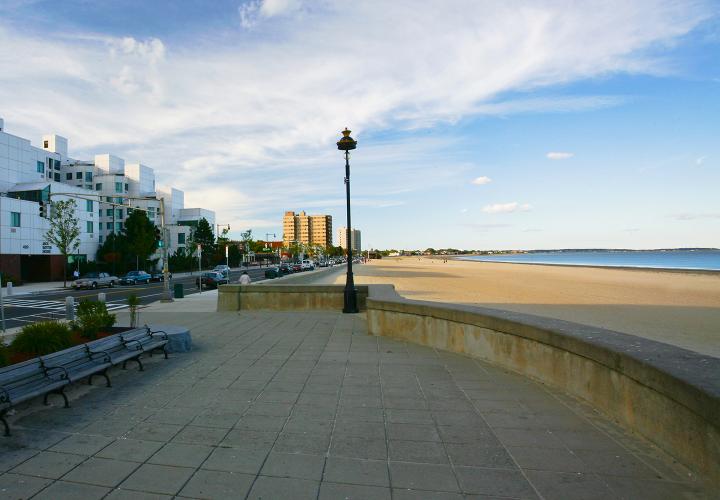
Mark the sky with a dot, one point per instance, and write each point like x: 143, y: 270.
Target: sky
x: 480, y: 124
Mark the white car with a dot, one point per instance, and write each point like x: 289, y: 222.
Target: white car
x: 307, y: 265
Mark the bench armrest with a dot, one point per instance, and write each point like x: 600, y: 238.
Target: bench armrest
x: 48, y: 369
x: 105, y: 356
x: 137, y: 347
x: 4, y: 396
x: 162, y: 334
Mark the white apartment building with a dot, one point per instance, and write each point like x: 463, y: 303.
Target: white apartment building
x: 355, y: 239
x: 31, y: 176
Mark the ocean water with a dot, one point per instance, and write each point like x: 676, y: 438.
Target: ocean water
x: 654, y: 259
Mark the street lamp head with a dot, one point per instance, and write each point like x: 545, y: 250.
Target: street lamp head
x: 346, y: 143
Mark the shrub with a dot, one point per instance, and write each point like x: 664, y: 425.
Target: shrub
x: 4, y: 278
x: 92, y: 318
x: 4, y: 355
x: 41, y: 338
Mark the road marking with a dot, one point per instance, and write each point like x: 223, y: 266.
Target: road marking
x: 50, y: 305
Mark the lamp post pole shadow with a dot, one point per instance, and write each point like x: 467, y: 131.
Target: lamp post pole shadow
x: 347, y: 143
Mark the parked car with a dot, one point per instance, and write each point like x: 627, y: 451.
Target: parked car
x: 273, y: 272
x: 95, y: 280
x: 222, y: 269
x: 285, y: 268
x: 134, y: 277
x: 211, y: 279
x: 297, y: 267
x: 159, y: 276
x: 307, y: 265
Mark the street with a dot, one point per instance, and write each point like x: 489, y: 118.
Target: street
x: 30, y: 308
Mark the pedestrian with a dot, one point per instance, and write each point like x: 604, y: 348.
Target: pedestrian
x: 245, y: 278
x: 76, y: 274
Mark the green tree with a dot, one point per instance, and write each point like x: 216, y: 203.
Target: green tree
x: 142, y: 239
x: 204, y: 236
x: 64, y: 230
x: 234, y: 255
x: 113, y: 251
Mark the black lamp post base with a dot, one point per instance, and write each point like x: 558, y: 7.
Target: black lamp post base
x: 350, y: 301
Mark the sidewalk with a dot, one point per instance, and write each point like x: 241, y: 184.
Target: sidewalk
x: 308, y: 405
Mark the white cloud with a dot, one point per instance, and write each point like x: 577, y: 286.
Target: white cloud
x: 700, y: 160
x: 504, y: 208
x: 556, y: 155
x: 695, y: 216
x: 463, y: 210
x: 481, y: 181
x: 268, y: 107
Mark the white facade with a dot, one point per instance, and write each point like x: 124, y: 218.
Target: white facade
x: 355, y: 238
x: 29, y: 175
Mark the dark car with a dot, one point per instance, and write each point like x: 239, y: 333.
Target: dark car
x: 273, y: 272
x: 134, y: 277
x: 159, y: 276
x: 211, y: 279
x: 285, y: 269
x: 297, y: 267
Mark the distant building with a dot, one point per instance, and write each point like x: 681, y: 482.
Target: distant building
x: 104, y: 188
x: 354, y: 239
x: 307, y: 229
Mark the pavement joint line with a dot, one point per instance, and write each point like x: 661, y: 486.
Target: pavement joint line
x: 337, y: 405
x: 258, y: 338
x: 291, y: 412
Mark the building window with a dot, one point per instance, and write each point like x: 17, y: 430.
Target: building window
x: 126, y: 186
x: 68, y: 176
x: 88, y: 176
x: 109, y: 212
x: 57, y: 164
x: 40, y: 167
x: 118, y: 226
x: 78, y: 175
x: 57, y: 177
x: 118, y: 187
x: 89, y: 225
x: 100, y: 213
x: 108, y: 199
x: 119, y: 200
x: 119, y: 213
x: 89, y: 206
x: 181, y: 238
x: 98, y: 186
x: 15, y: 219
x: 100, y: 238
x: 46, y: 144
x: 100, y: 226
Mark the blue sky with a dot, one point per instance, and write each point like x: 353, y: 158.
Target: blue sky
x: 480, y: 124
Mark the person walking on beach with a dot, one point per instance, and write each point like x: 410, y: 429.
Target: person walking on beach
x: 245, y: 278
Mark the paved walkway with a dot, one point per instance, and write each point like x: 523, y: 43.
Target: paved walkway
x: 287, y: 405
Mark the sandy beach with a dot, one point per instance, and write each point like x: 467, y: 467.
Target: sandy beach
x: 679, y: 308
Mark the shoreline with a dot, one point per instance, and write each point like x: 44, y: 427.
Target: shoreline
x: 680, y: 270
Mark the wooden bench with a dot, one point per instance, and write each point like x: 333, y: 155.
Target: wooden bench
x: 50, y: 374
x: 27, y: 380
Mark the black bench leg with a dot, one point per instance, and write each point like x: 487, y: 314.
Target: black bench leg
x: 137, y: 360
x: 7, y: 427
x: 102, y: 374
x: 60, y: 391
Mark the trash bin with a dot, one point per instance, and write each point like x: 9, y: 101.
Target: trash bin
x: 179, y: 292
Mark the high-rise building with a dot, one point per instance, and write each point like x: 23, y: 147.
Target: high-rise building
x: 106, y: 190
x: 354, y: 239
x: 307, y: 229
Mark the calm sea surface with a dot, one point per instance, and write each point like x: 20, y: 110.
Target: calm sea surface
x: 680, y: 259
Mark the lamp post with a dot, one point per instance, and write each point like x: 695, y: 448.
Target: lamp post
x: 347, y: 143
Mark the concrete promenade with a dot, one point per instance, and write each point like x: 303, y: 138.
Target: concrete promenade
x: 307, y: 405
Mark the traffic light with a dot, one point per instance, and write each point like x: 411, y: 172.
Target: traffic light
x: 158, y: 237
x: 43, y: 209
